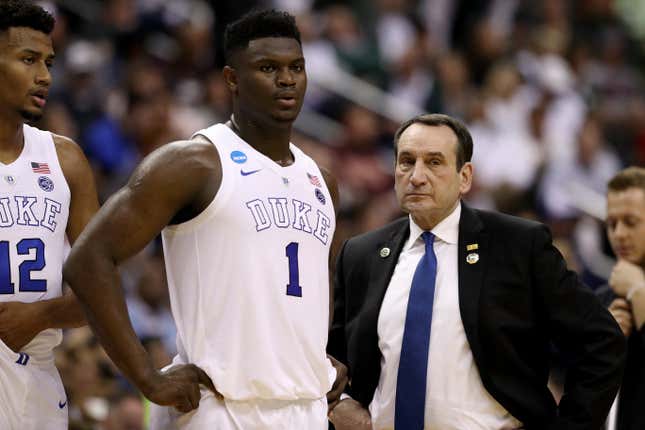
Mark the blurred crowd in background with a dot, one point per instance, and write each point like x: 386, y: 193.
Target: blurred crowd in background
x: 552, y: 91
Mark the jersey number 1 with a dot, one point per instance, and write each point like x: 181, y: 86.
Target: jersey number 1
x: 293, y: 287
x: 26, y: 284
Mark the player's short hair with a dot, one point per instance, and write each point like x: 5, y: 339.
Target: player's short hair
x: 256, y: 25
x: 24, y: 13
x: 464, y: 139
x: 631, y: 177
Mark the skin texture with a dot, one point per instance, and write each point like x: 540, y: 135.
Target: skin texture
x: 626, y: 233
x: 426, y: 180
x: 428, y: 186
x: 175, y: 183
x: 25, y: 58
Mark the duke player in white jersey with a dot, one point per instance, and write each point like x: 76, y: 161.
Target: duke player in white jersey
x: 47, y: 196
x: 247, y: 221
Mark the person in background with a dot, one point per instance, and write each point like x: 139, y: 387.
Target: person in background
x: 625, y: 294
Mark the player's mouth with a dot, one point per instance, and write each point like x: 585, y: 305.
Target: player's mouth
x: 39, y: 97
x: 287, y: 99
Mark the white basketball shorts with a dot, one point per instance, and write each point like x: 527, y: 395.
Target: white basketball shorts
x: 32, y: 396
x: 243, y: 415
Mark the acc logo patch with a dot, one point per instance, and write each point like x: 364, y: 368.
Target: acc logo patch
x: 45, y: 183
x: 238, y: 157
x: 320, y: 196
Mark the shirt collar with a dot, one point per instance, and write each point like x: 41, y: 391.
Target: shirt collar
x: 447, y: 230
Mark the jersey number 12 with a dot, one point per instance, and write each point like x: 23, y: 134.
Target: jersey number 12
x: 26, y: 284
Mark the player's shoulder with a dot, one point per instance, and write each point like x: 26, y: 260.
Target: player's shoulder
x: 182, y: 162
x: 71, y: 157
x: 66, y: 147
x: 197, y: 152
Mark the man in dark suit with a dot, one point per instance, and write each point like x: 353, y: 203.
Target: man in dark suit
x: 446, y: 318
x: 625, y: 294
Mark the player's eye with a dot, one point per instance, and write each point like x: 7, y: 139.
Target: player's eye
x: 267, y: 68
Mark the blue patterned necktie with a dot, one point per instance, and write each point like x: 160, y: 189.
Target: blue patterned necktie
x: 409, y: 408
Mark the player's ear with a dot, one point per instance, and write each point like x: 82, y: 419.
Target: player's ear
x: 230, y: 77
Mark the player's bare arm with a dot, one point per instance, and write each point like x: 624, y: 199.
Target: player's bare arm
x: 21, y: 322
x: 177, y: 178
x: 341, y: 370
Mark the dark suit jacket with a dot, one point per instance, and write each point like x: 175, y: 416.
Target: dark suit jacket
x: 631, y: 415
x: 517, y: 299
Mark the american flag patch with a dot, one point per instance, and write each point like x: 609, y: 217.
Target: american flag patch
x: 314, y: 180
x: 40, y: 168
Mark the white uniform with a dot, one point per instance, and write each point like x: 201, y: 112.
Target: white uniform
x: 34, y: 207
x: 249, y: 289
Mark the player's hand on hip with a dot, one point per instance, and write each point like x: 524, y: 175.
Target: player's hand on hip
x: 350, y: 415
x: 337, y: 389
x: 20, y: 323
x: 179, y: 386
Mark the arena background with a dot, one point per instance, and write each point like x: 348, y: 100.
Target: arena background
x: 552, y: 92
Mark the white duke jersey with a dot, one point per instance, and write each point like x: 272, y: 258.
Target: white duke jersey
x: 34, y: 207
x: 248, y: 277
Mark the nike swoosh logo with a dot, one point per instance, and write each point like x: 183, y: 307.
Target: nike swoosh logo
x: 250, y: 172
x: 61, y: 405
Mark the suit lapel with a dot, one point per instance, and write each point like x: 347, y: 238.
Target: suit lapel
x: 472, y: 270
x: 382, y: 268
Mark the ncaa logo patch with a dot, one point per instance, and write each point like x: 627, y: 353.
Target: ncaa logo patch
x: 45, y: 183
x: 238, y: 157
x: 320, y: 196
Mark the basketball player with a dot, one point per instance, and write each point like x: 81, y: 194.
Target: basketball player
x: 47, y: 196
x: 247, y: 221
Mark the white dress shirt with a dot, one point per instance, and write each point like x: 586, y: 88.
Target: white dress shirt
x: 455, y: 396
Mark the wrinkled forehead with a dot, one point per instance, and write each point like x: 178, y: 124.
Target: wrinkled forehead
x: 420, y: 138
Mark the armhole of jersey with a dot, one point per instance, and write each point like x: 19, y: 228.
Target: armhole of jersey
x: 314, y: 166
x: 223, y: 193
x: 45, y: 138
x: 60, y: 167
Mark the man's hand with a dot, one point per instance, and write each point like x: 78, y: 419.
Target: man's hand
x: 20, y: 323
x: 333, y: 397
x: 621, y: 310
x: 625, y: 276
x: 350, y: 415
x: 178, y: 387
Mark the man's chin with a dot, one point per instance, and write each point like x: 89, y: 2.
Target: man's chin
x: 30, y: 116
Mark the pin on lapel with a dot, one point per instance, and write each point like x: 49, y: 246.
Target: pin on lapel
x: 472, y: 258
x: 472, y: 247
x: 385, y: 252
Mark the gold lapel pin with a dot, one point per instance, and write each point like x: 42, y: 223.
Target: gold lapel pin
x: 385, y: 252
x: 472, y: 258
x: 472, y: 247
